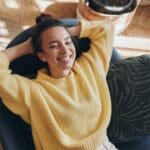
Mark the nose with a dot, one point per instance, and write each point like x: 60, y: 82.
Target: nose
x: 64, y: 48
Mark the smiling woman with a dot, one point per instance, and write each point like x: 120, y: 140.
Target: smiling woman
x: 62, y: 114
x: 54, y: 46
x: 58, y: 51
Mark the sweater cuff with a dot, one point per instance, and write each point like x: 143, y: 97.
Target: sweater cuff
x: 4, y: 62
x: 85, y: 32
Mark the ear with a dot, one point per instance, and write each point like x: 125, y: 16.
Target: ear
x: 41, y: 56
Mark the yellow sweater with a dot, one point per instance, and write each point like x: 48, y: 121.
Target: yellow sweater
x: 70, y: 113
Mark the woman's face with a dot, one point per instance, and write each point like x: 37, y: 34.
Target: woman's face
x: 58, y: 50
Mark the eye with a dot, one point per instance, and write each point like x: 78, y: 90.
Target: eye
x: 69, y: 42
x: 53, y: 45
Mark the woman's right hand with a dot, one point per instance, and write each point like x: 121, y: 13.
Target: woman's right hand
x: 19, y: 50
x: 27, y: 45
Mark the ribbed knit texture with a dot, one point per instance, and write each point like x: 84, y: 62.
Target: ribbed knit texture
x: 70, y: 113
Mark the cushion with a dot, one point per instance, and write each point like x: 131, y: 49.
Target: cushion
x: 129, y: 84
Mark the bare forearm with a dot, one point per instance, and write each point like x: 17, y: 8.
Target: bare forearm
x: 17, y: 51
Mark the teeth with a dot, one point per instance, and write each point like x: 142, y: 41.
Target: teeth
x: 65, y: 58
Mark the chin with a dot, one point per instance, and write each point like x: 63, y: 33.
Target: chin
x: 67, y: 67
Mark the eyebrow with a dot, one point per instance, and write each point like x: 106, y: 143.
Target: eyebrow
x: 57, y: 41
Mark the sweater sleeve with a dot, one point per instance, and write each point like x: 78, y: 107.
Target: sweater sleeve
x: 14, y: 89
x: 101, y: 34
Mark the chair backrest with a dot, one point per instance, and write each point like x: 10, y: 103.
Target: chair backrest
x: 15, y: 134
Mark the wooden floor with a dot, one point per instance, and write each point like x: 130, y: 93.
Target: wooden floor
x: 136, y: 38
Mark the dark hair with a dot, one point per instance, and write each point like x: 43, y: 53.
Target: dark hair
x: 43, y: 22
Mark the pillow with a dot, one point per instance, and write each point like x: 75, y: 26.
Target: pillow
x: 129, y: 85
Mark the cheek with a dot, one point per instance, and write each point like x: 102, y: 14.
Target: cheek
x: 74, y: 52
x: 51, y: 57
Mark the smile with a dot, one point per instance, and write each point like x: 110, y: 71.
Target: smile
x: 65, y: 59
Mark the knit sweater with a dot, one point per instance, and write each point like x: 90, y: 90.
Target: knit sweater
x: 70, y: 113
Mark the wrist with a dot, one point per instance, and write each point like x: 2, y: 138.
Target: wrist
x: 25, y: 47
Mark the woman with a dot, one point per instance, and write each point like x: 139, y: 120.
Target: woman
x: 63, y: 115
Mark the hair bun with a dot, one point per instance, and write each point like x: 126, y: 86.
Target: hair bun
x: 43, y: 17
